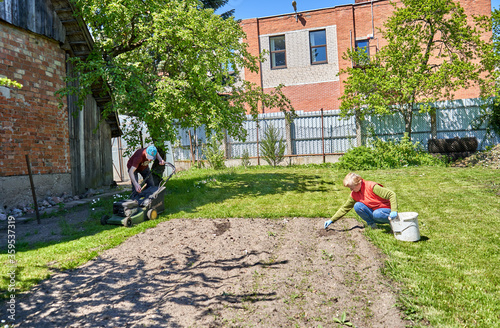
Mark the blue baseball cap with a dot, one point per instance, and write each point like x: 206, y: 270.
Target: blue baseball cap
x: 151, y: 152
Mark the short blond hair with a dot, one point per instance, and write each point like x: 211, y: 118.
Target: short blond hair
x: 352, y: 179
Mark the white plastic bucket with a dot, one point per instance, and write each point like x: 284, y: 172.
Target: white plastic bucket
x: 405, y: 227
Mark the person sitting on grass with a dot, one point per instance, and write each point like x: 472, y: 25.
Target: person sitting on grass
x: 139, y: 163
x: 371, y: 201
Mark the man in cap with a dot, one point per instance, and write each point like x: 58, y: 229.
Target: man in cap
x: 139, y: 163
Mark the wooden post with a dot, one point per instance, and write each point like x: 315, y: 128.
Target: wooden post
x: 33, y: 188
x: 191, y: 147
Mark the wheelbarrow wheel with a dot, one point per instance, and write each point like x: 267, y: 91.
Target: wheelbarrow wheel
x: 128, y: 222
x: 104, y: 219
x: 152, y: 214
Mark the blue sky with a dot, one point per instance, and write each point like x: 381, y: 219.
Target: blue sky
x: 262, y: 8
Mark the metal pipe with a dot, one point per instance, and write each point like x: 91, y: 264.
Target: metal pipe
x: 306, y: 155
x: 373, y: 26
x: 322, y: 135
x: 350, y: 44
x: 258, y: 156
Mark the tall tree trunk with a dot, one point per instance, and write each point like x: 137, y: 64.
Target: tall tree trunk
x: 360, y: 131
x: 408, y: 117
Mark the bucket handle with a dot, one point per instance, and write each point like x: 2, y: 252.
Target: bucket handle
x: 401, y: 231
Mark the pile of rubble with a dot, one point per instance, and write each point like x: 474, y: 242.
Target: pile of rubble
x: 46, y: 203
x: 488, y: 158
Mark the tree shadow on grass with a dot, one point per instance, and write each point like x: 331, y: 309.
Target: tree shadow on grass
x: 188, y: 195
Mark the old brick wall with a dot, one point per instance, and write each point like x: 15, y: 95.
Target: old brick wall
x: 312, y: 87
x: 31, y: 121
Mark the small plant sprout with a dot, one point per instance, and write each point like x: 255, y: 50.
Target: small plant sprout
x: 326, y: 256
x: 343, y: 320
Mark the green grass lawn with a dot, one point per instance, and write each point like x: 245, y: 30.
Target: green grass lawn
x: 451, y: 278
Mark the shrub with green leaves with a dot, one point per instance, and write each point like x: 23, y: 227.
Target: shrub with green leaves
x: 382, y: 154
x: 272, y: 146
x: 245, y: 158
x: 214, y: 153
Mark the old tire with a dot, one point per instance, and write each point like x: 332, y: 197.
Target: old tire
x: 455, y: 145
x: 104, y: 219
x: 152, y: 215
x: 128, y: 222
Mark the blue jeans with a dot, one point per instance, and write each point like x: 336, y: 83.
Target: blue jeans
x: 370, y: 216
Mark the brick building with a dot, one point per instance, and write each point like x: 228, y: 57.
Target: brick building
x: 313, y: 83
x: 68, y: 153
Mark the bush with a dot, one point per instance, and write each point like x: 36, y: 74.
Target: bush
x: 214, y: 153
x: 272, y: 146
x: 245, y: 158
x: 387, y: 154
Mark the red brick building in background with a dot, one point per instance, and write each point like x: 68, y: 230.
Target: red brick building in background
x: 314, y: 83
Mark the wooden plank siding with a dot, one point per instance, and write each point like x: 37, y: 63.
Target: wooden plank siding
x: 37, y: 16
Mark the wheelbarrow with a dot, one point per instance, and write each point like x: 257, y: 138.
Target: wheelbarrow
x: 142, y: 206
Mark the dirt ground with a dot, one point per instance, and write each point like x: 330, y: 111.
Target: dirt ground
x: 220, y: 273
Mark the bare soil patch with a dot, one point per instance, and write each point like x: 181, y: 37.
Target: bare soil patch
x: 223, y: 273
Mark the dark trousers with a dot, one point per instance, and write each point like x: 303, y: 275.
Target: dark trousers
x: 146, y: 175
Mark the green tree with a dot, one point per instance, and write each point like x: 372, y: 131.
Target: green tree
x: 272, y: 146
x: 490, y: 110
x: 214, y: 153
x: 431, y: 52
x: 170, y: 61
x: 216, y: 4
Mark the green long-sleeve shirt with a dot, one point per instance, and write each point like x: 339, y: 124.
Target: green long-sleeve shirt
x: 377, y: 190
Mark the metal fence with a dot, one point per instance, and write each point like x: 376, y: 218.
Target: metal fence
x: 453, y: 119
x: 320, y: 133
